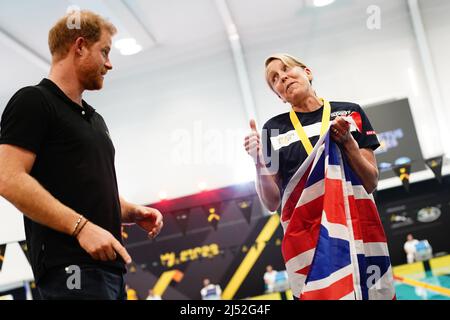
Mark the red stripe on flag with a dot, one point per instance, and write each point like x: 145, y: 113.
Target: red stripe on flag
x: 337, y: 290
x: 370, y: 223
x: 291, y: 202
x: 303, y: 229
x: 354, y: 213
x: 333, y: 203
x: 304, y: 270
x: 357, y: 118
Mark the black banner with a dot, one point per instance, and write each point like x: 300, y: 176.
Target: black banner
x: 435, y: 164
x: 182, y: 219
x: 246, y: 208
x: 213, y: 214
x: 2, y: 255
x: 403, y: 172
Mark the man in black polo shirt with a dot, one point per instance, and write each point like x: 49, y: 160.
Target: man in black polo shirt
x: 57, y: 167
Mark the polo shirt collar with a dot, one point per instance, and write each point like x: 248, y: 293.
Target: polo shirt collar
x: 86, y: 109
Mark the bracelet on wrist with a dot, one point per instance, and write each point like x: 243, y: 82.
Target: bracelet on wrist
x: 77, y: 224
x: 81, y: 227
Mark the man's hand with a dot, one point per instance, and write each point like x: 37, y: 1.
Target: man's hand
x: 149, y: 219
x: 101, y: 244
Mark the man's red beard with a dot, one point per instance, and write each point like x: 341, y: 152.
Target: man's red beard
x: 93, y: 81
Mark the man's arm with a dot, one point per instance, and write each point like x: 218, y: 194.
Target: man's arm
x: 126, y: 209
x: 26, y: 194
x: 150, y: 219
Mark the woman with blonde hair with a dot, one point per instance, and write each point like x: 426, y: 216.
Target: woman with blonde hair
x: 316, y: 164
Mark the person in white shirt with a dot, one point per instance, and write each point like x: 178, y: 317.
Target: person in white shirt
x: 210, y: 291
x: 410, y: 248
x: 269, y: 278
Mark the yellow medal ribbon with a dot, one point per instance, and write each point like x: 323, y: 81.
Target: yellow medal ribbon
x: 301, y: 132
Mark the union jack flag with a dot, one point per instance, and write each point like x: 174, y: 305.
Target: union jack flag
x: 334, y: 245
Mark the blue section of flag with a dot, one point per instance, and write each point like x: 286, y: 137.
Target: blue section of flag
x: 350, y: 175
x: 363, y: 276
x: 333, y: 153
x: 371, y: 269
x: 317, y: 173
x: 331, y: 255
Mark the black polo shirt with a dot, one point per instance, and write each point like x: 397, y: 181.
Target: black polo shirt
x: 283, y: 150
x: 74, y: 162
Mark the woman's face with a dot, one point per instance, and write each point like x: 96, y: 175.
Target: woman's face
x: 290, y: 83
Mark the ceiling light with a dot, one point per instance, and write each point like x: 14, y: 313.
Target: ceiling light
x: 322, y: 3
x: 128, y: 46
x: 163, y: 195
x: 202, y: 186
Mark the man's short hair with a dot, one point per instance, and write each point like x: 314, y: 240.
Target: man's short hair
x: 73, y: 25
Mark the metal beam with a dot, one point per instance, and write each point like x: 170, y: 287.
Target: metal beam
x: 126, y: 15
x: 239, y: 60
x: 25, y: 51
x: 121, y: 14
x: 430, y: 74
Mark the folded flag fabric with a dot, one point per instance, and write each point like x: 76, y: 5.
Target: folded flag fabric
x: 334, y: 245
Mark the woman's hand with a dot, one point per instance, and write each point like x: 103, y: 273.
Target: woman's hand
x: 340, y: 132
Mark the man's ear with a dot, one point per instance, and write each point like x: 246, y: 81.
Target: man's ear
x: 80, y: 43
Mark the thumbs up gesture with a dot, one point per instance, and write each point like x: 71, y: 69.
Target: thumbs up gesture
x: 252, y: 143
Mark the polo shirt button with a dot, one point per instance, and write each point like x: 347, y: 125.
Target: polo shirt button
x: 82, y: 112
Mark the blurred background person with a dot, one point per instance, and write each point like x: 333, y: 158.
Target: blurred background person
x: 210, y: 291
x: 131, y: 293
x: 152, y: 295
x: 269, y: 279
x: 410, y: 248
